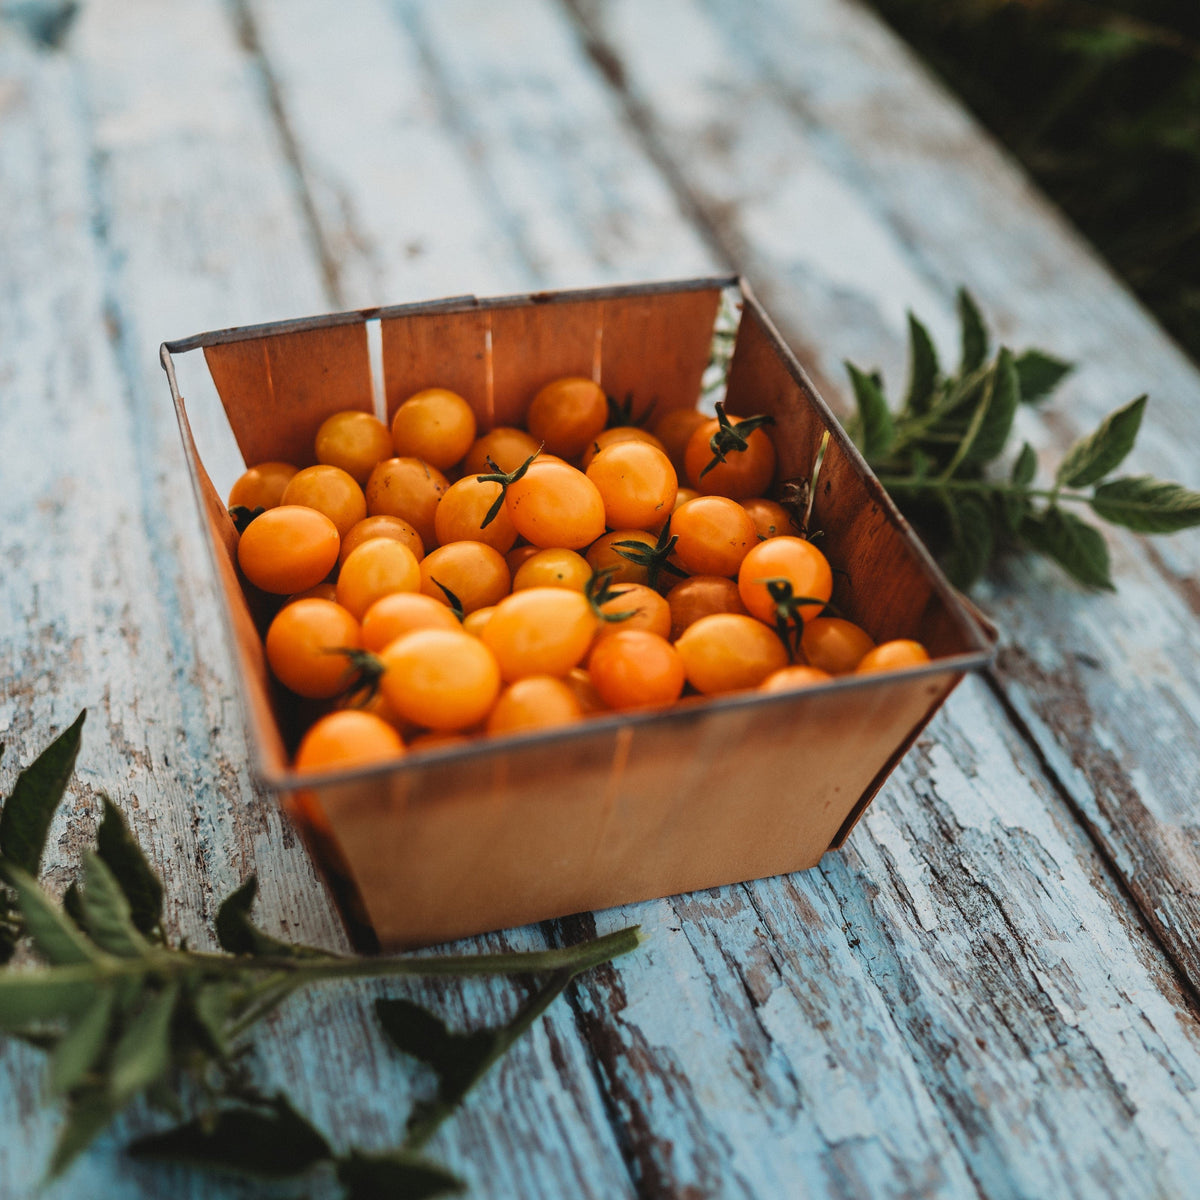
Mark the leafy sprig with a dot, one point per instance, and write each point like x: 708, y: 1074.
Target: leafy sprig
x: 123, y: 1013
x: 938, y: 454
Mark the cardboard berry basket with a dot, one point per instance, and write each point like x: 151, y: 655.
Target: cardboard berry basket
x: 616, y: 808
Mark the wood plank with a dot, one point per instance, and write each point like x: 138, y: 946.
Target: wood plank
x: 848, y: 186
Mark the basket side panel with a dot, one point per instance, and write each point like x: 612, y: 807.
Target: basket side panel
x: 278, y: 389
x: 448, y: 350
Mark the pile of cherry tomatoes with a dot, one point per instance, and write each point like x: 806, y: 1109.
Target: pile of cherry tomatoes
x: 443, y: 583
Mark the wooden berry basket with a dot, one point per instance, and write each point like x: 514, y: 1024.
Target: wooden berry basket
x: 617, y: 808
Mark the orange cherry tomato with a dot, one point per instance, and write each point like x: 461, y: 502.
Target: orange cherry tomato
x: 288, y: 549
x: 633, y: 668
x: 540, y: 631
x: 567, y: 414
x: 475, y: 572
x: 770, y: 518
x: 674, y: 430
x: 701, y: 596
x: 618, y: 433
x: 648, y: 611
x: 402, y: 612
x: 636, y: 482
x: 553, y: 568
x: 790, y: 558
x: 535, y: 702
x: 374, y: 570
x: 325, y: 590
x: 744, y: 473
x: 261, y: 486
x: 892, y: 656
x: 354, y: 441
x: 474, y: 622
x: 302, y: 646
x: 410, y: 489
x: 553, y: 504
x: 435, y: 425
x: 507, y: 447
x: 396, y: 528
x: 580, y: 683
x: 518, y: 554
x: 835, y: 645
x: 715, y: 534
x: 604, y: 555
x: 331, y: 491
x: 461, y: 512
x: 440, y: 678
x: 727, y: 652
x: 347, y: 738
x: 797, y: 676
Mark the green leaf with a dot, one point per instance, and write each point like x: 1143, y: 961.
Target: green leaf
x: 1094, y: 456
x: 1025, y: 466
x: 272, y: 1142
x: 56, y: 939
x: 876, y: 430
x: 87, y: 1116
x: 122, y: 855
x: 106, y: 912
x: 237, y: 934
x: 35, y: 997
x: 142, y: 1054
x: 974, y: 333
x: 923, y: 368
x: 27, y: 813
x: 1015, y: 504
x: 972, y: 540
x: 79, y: 1048
x: 1147, y: 504
x: 394, y: 1177
x: 1002, y: 398
x: 10, y: 926
x: 1076, y: 546
x: 1040, y: 374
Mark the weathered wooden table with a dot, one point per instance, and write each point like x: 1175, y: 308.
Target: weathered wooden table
x: 993, y: 988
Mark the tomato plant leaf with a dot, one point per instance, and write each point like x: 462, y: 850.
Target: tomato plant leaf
x: 272, y: 1141
x: 1040, y: 374
x: 398, y: 1176
x: 1094, y: 456
x: 142, y: 1053
x: 38, y: 791
x: 106, y: 913
x: 1077, y: 547
x: 88, y: 1114
x: 1146, y: 504
x: 923, y: 367
x: 971, y: 541
x: 78, y: 1049
x: 121, y: 853
x: 1002, y: 399
x: 974, y: 333
x: 237, y: 934
x: 54, y: 936
x: 875, y: 426
x: 35, y: 997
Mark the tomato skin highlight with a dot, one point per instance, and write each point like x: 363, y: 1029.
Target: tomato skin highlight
x: 302, y: 643
x: 288, y: 549
x: 440, y: 678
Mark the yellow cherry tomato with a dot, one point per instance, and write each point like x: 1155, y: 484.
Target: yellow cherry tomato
x: 288, y: 549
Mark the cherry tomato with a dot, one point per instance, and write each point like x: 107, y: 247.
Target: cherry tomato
x: 440, y: 678
x: 507, y: 447
x: 402, y: 612
x: 396, y: 528
x: 790, y: 558
x: 649, y: 611
x: 518, y: 554
x: 462, y: 510
x: 797, y: 676
x: 636, y: 482
x: 354, y: 441
x: 553, y: 568
x: 674, y: 430
x: 727, y: 652
x: 701, y: 596
x: 435, y: 425
x: 567, y: 414
x: 540, y: 631
x: 603, y: 555
x: 475, y: 572
x: 535, y: 702
x: 744, y: 473
x: 331, y: 491
x: 261, y: 486
x: 325, y: 590
x: 303, y: 643
x: 553, y: 504
x: 376, y: 569
x: 618, y: 433
x: 580, y: 683
x: 770, y: 518
x: 474, y: 622
x: 892, y: 656
x: 715, y: 534
x: 288, y: 549
x: 347, y: 738
x: 834, y: 645
x: 410, y: 489
x: 633, y: 668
